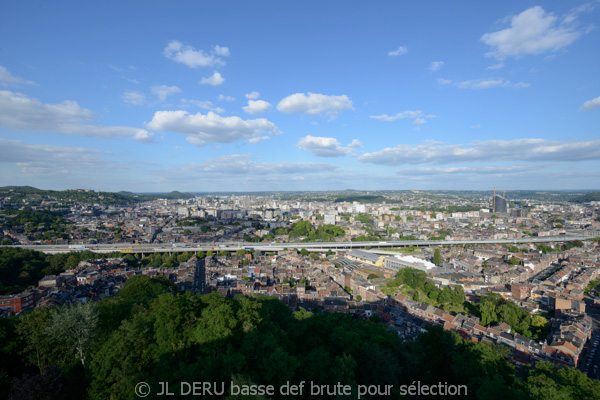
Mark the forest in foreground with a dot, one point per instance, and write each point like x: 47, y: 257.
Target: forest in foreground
x: 149, y: 333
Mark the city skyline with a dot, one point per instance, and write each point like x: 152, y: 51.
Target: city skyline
x: 207, y: 97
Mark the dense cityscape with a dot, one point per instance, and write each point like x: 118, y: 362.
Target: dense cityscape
x: 522, y: 273
x: 299, y: 200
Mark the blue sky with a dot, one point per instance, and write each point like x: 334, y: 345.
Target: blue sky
x: 247, y: 96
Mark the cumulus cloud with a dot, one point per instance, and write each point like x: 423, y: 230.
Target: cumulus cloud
x: 253, y: 95
x: 326, y: 146
x: 23, y: 113
x: 436, y: 65
x: 315, y: 104
x: 6, y: 78
x: 208, y: 128
x: 591, y: 104
x: 484, y: 83
x: 164, y: 91
x: 532, y: 32
x: 257, y: 107
x: 133, y: 97
x: 400, y: 51
x: 226, y: 98
x: 193, y: 58
x: 531, y: 150
x: 215, y: 79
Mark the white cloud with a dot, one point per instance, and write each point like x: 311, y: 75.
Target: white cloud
x: 400, y: 51
x: 521, y: 85
x: 400, y: 115
x: 143, y: 136
x: 212, y: 128
x: 226, y: 98
x: 258, y: 139
x: 206, y: 105
x: 355, y: 143
x: 532, y: 150
x: 253, y: 95
x: 591, y: 104
x: 239, y: 165
x: 436, y: 65
x: 22, y: 113
x: 418, y: 117
x: 193, y: 58
x: 476, y: 126
x: 326, y: 146
x: 37, y: 159
x: 133, y: 97
x: 530, y: 33
x: 221, y: 51
x: 485, y: 170
x: 164, y: 91
x: 484, y: 83
x: 315, y: 104
x: 6, y: 78
x: 257, y: 107
x: 496, y: 66
x: 215, y: 79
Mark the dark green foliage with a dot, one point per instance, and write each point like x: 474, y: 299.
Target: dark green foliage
x: 412, y: 277
x: 305, y: 229
x: 48, y: 223
x: 547, y: 381
x: 367, y: 238
x: 149, y: 334
x: 11, y: 362
x: 364, y: 218
x: 515, y: 249
x: 437, y: 257
x: 586, y: 198
x: 494, y: 309
x: 21, y: 268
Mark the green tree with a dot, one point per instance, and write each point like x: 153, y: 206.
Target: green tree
x: 75, y: 326
x: 457, y: 297
x: 304, y: 252
x: 437, y: 257
x: 38, y: 346
x: 445, y: 295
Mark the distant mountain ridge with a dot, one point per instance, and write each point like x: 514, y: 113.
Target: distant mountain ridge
x: 19, y: 194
